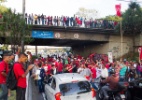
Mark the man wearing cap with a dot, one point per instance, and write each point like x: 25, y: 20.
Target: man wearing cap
x: 3, y: 74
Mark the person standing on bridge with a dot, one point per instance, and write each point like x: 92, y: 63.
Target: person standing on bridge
x: 42, y: 19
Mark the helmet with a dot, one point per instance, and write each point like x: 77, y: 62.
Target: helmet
x: 112, y: 71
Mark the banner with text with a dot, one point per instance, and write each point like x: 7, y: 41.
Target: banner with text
x: 42, y: 34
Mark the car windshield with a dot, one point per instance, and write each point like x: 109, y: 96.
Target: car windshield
x: 75, y: 88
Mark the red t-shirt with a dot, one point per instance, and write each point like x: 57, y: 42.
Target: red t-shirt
x: 49, y: 69
x: 3, y: 68
x: 69, y: 67
x: 19, y: 71
x: 93, y: 70
x: 56, y: 64
x: 60, y: 67
x: 107, y: 66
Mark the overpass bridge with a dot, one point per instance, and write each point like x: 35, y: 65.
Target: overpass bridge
x: 82, y: 40
x: 69, y: 36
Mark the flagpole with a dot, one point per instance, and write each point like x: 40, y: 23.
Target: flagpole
x: 121, y: 36
x: 118, y: 13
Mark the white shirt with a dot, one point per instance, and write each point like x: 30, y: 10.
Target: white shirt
x: 104, y: 73
x: 80, y: 71
x: 16, y: 57
x: 87, y: 72
x: 98, y: 72
x: 38, y: 73
x: 54, y: 71
x: 45, y: 68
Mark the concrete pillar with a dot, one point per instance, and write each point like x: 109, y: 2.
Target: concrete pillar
x: 36, y: 51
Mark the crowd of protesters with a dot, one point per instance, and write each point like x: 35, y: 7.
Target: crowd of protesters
x: 69, y: 21
x: 92, y: 67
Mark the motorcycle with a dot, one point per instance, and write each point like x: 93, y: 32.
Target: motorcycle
x: 119, y: 94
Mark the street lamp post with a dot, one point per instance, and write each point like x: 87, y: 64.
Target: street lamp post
x: 23, y: 11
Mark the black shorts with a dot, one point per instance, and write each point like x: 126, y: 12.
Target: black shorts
x: 20, y: 93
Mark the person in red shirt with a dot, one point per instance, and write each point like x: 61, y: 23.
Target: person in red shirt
x: 20, y: 74
x: 3, y: 74
x: 59, y: 67
x: 48, y: 72
x: 69, y: 67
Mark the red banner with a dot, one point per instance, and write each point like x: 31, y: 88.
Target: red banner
x: 140, y: 52
x: 118, y: 9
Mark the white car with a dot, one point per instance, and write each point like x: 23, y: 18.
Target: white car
x: 69, y: 86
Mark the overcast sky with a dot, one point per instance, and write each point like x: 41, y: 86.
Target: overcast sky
x: 67, y: 7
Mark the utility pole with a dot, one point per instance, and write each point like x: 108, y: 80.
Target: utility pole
x: 121, y: 35
x: 23, y: 11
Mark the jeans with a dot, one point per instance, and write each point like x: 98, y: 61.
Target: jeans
x: 4, y: 93
x: 94, y: 85
x: 122, y: 78
x: 104, y: 90
x: 20, y: 93
x: 40, y: 86
x: 29, y: 21
x: 42, y: 21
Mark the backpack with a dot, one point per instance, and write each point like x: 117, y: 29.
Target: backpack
x: 11, y: 81
x: 42, y: 73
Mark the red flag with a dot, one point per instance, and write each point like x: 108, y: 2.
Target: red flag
x: 118, y: 9
x: 140, y: 52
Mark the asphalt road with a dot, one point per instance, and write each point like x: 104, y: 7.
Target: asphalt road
x: 35, y: 94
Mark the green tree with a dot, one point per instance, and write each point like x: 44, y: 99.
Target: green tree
x: 14, y: 29
x: 132, y: 21
x: 87, y: 13
x: 113, y: 18
x: 4, y: 47
x: 1, y: 1
x: 3, y: 9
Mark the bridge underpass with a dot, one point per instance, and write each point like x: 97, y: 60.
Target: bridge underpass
x: 64, y: 42
x: 78, y: 46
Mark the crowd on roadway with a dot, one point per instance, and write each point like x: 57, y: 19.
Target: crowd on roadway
x: 40, y: 69
x: 69, y: 21
x: 92, y: 68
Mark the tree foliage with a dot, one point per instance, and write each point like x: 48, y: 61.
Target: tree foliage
x: 132, y: 19
x: 113, y: 18
x: 3, y: 9
x: 87, y: 13
x: 1, y: 1
x: 4, y: 47
x: 14, y: 28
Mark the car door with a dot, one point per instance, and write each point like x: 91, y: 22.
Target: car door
x: 48, y: 89
x: 53, y: 89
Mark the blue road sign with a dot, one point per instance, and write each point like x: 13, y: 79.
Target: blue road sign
x: 42, y: 34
